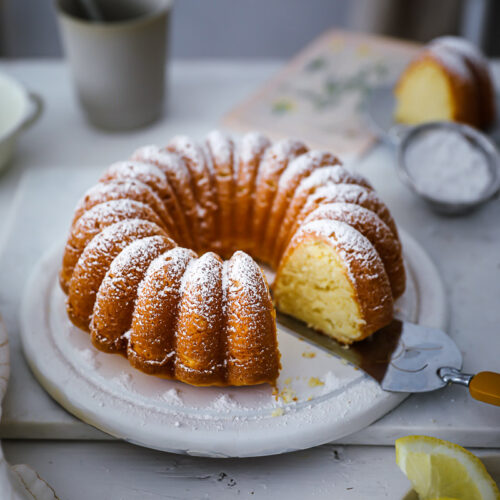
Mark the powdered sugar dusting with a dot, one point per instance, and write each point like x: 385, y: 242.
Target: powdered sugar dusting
x: 172, y: 396
x: 252, y: 146
x: 124, y: 380
x: 202, y: 175
x: 350, y: 193
x: 109, y: 209
x: 306, y: 162
x: 177, y: 258
x: 170, y: 163
x: 103, y: 214
x: 331, y: 383
x: 135, y: 255
x: 342, y: 209
x: 463, y: 46
x: 453, y: 61
x: 121, y: 189
x: 334, y: 174
x: 89, y: 356
x: 135, y: 169
x: 247, y: 274
x: 225, y: 404
x: 341, y: 232
x: 191, y: 151
x: 279, y: 155
x: 221, y: 146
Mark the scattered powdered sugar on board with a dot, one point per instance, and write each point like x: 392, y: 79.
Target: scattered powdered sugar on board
x: 331, y: 383
x: 172, y: 396
x: 124, y: 380
x: 224, y: 403
x: 89, y: 356
x: 445, y: 165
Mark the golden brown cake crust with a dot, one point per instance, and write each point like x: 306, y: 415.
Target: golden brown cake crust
x: 273, y: 164
x: 95, y: 262
x: 131, y: 189
x: 203, y: 187
x: 297, y: 169
x: 200, y: 342
x: 220, y: 151
x: 152, y: 176
x: 251, y: 150
x: 115, y: 300
x: 152, y: 337
x: 326, y: 175
x: 179, y: 177
x: 93, y: 221
x: 347, y: 193
x: 253, y: 355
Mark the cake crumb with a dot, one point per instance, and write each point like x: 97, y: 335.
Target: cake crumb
x: 315, y: 382
x: 288, y: 381
x: 278, y: 412
x: 308, y: 354
x: 288, y: 395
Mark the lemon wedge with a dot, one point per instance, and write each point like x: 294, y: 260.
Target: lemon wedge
x: 439, y: 469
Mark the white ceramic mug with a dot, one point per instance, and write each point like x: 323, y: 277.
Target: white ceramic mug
x: 19, y: 110
x: 119, y: 64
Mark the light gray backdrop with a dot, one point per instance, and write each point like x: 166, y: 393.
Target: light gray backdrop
x: 262, y: 28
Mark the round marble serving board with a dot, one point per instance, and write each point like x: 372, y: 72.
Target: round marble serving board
x: 321, y: 398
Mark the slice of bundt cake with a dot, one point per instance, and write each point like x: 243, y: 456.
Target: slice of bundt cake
x: 141, y: 274
x: 332, y: 278
x: 448, y: 80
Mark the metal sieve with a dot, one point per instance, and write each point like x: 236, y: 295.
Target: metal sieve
x: 404, y: 136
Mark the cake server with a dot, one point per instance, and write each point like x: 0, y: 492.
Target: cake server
x: 404, y: 357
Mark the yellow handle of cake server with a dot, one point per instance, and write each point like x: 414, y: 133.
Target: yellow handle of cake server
x: 485, y: 386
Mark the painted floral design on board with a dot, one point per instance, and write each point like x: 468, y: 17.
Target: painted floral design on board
x: 318, y: 96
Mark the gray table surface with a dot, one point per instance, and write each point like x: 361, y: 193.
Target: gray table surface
x: 464, y: 249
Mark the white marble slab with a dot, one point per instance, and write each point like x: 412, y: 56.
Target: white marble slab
x: 466, y: 250
x: 122, y: 471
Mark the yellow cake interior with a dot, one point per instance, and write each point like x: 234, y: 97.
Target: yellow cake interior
x: 423, y: 94
x: 313, y: 286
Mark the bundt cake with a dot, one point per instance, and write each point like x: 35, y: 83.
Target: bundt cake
x: 448, y: 80
x: 143, y: 270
